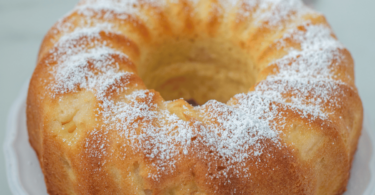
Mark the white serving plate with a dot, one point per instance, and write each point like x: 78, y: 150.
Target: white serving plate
x: 26, y: 178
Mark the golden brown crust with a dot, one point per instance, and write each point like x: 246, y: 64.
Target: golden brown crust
x: 80, y: 153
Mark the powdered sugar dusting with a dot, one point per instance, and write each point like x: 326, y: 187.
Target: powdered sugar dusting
x: 305, y: 74
x: 78, y: 40
x: 82, y: 67
x: 272, y: 12
x: 318, y: 51
x: 160, y: 134
x: 77, y: 72
x: 119, y: 9
x: 278, y: 10
x: 232, y: 130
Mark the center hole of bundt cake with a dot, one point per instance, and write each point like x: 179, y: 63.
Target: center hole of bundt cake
x: 196, y: 69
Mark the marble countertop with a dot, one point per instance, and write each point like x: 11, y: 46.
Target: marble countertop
x: 23, y: 24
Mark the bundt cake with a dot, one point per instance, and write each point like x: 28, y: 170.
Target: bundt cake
x: 274, y: 108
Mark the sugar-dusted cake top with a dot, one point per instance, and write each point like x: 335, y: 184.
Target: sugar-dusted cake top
x: 304, y: 82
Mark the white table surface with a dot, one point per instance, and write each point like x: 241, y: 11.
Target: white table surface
x: 23, y: 24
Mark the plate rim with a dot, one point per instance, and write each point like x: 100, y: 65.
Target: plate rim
x: 11, y: 162
x: 367, y: 122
